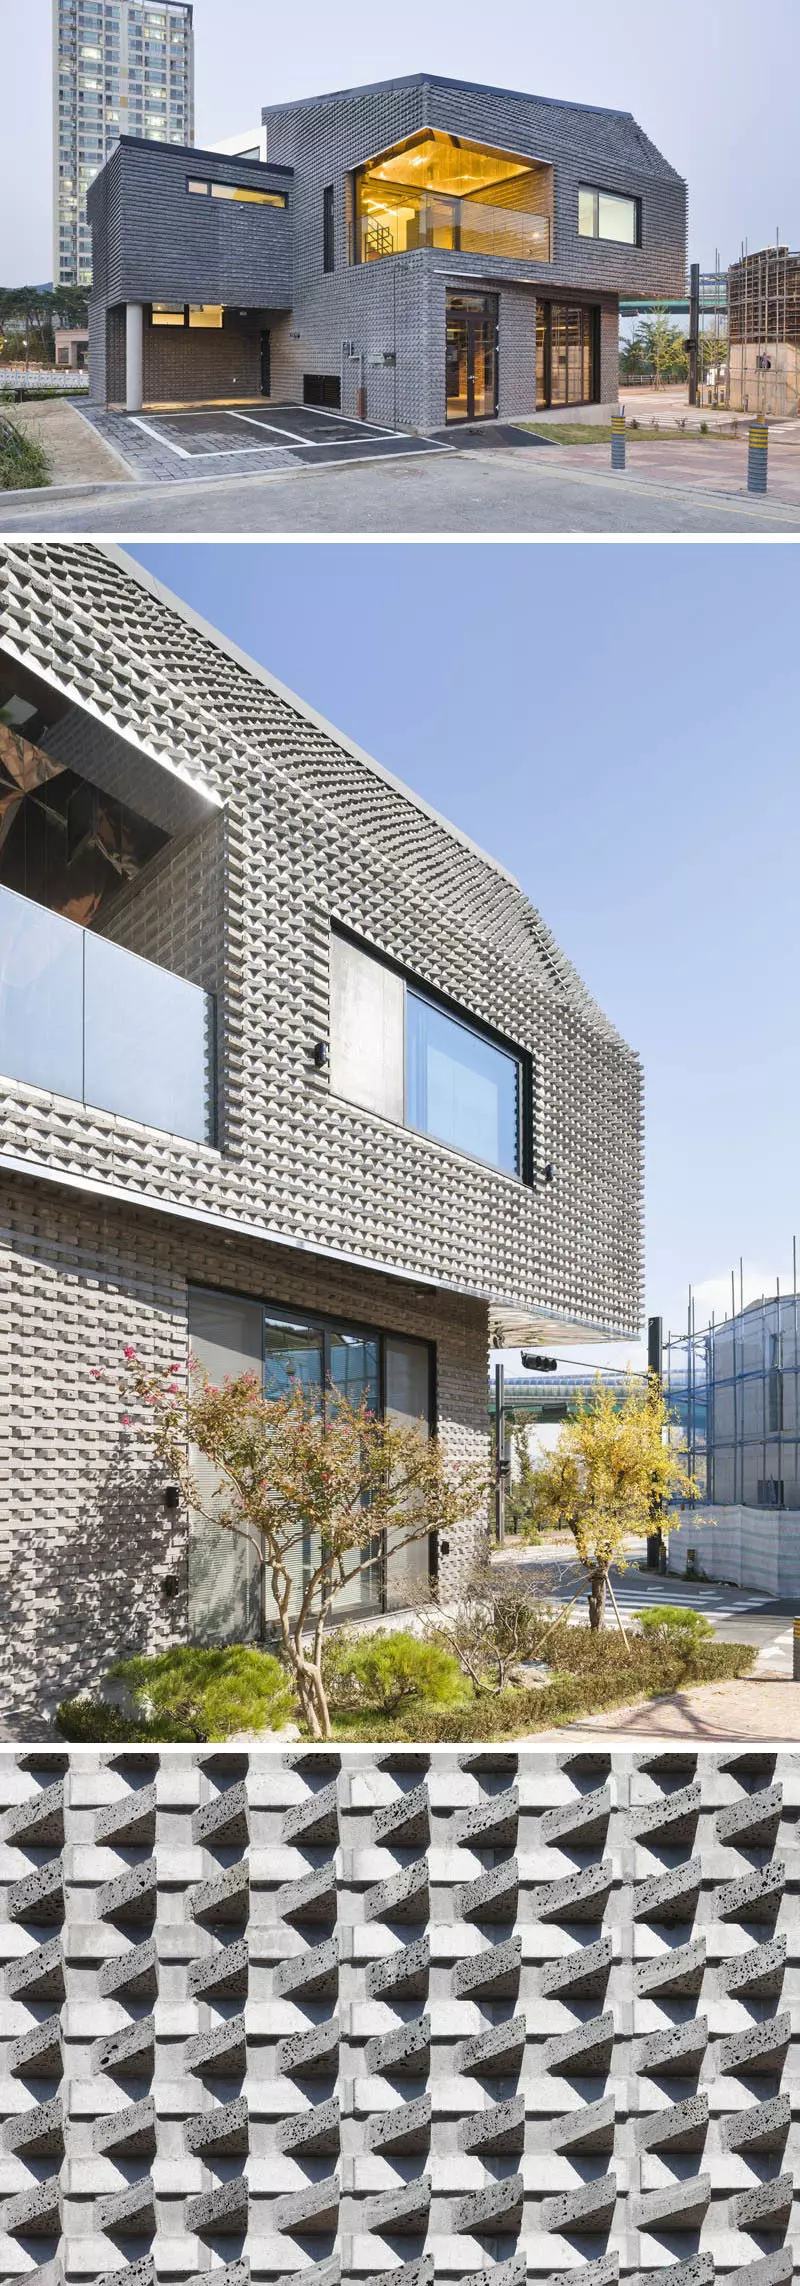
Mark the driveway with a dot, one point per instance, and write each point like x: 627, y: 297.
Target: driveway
x: 259, y: 439
x: 421, y: 487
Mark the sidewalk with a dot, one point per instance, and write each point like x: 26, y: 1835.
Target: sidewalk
x: 756, y: 1707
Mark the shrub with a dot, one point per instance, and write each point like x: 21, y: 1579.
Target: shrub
x: 591, y: 1673
x: 187, y: 1696
x: 497, y: 1624
x: 388, y: 1670
x: 89, y: 1722
x: 24, y: 465
x: 675, y: 1619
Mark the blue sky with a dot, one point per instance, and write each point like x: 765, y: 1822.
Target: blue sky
x: 619, y: 726
x: 715, y: 92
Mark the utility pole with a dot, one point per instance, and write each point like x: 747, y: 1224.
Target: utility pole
x: 500, y: 1455
x: 694, y: 353
x: 656, y: 1551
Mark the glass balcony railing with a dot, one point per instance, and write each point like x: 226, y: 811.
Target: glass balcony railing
x: 83, y: 1017
x: 454, y: 225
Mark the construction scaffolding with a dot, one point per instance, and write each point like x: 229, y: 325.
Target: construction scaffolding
x: 764, y: 328
x: 733, y: 1389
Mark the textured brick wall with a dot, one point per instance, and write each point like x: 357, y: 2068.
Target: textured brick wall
x: 313, y: 833
x: 398, y: 304
x: 490, y: 2017
x: 199, y: 363
x: 86, y: 1543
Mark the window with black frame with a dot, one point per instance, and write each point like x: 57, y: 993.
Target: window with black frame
x: 398, y: 1051
x: 327, y: 1358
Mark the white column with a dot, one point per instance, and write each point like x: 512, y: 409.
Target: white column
x: 134, y: 356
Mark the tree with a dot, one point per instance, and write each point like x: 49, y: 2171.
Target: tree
x: 519, y: 1497
x: 631, y: 356
x: 612, y: 1468
x: 312, y: 1489
x: 495, y: 1624
x: 31, y: 311
x: 657, y: 344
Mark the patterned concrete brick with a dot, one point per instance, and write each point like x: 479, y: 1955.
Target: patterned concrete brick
x: 518, y: 2096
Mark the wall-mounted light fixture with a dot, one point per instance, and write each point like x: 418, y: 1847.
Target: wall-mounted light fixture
x: 321, y: 1055
x: 172, y: 1496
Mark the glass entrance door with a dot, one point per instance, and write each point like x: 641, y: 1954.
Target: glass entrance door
x: 471, y: 357
x: 567, y: 354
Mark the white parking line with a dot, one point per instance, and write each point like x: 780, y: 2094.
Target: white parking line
x: 257, y: 422
x: 296, y: 444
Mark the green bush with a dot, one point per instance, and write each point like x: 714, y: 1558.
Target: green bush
x: 24, y: 465
x: 88, y: 1722
x: 188, y: 1696
x: 385, y: 1671
x: 591, y: 1673
x: 671, y: 1619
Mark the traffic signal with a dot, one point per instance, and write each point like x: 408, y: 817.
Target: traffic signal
x: 534, y: 1364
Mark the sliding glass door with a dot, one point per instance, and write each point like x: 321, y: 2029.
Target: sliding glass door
x: 329, y: 1359
x: 567, y: 354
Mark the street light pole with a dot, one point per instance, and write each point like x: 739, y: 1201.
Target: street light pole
x: 655, y: 1365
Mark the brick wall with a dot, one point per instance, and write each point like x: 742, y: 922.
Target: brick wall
x: 573, y: 2047
x: 86, y: 1542
x: 314, y: 834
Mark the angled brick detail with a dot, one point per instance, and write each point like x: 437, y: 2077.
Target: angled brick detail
x: 221, y: 2051
x: 39, y: 1820
x: 223, y: 1900
x: 491, y: 1824
x: 590, y: 2129
x: 312, y: 1898
x: 759, y: 1971
x: 222, y: 2133
x: 132, y: 1975
x: 762, y: 2127
x: 404, y: 1975
x: 761, y: 2049
x: 313, y: 2133
x: 580, y: 1897
x: 130, y: 2213
x: 496, y: 2209
x: 313, y: 1974
x: 131, y: 1898
x: 493, y: 1974
x: 223, y: 1822
x: 683, y: 2205
x: 407, y: 2051
x: 310, y: 2055
x: 405, y: 1821
x: 672, y: 1819
x: 38, y: 1975
x: 766, y: 2207
x: 308, y: 2213
x: 669, y: 1897
x: 676, y: 2052
x: 132, y: 1820
x: 590, y: 2208
x: 38, y: 2133
x: 756, y: 1897
x: 38, y: 2053
x: 129, y: 2134
x: 681, y: 2127
x: 491, y: 2054
x: 404, y: 1897
x: 492, y: 1897
x: 225, y: 1976
x: 406, y: 2128
x: 39, y: 1898
x: 754, y: 1822
x: 586, y: 2048
x: 677, y: 1974
x: 131, y: 2052
x: 223, y: 2211
x: 316, y: 1819
x: 584, y: 1822
x: 496, y: 2131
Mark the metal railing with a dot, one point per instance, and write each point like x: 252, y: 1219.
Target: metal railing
x: 83, y: 1017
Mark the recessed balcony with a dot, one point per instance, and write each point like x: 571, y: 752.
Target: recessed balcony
x: 85, y: 1018
x: 454, y: 225
x: 438, y: 190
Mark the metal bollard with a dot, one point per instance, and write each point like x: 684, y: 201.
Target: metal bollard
x: 617, y: 440
x: 757, y: 457
x: 796, y: 1653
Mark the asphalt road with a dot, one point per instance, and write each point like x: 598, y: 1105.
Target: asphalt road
x: 738, y: 1615
x: 502, y: 491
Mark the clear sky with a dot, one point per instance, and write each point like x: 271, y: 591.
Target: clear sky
x: 713, y: 83
x: 618, y: 725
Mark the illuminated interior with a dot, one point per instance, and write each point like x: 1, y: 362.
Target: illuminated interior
x: 438, y: 190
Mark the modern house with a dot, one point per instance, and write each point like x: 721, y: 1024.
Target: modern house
x: 291, y: 1073
x: 424, y: 250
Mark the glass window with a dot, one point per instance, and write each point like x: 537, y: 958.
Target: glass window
x: 201, y: 189
x: 41, y: 997
x: 247, y: 197
x: 407, y: 1372
x: 396, y: 1053
x: 439, y: 190
x: 168, y: 313
x: 224, y: 1577
x: 205, y: 315
x: 147, y: 1048
x: 328, y: 262
x: 460, y: 1088
x: 605, y: 214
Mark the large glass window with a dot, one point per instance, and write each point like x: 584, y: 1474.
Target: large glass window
x: 439, y: 190
x: 229, y: 1336
x: 461, y: 1088
x: 397, y: 1052
x: 604, y: 214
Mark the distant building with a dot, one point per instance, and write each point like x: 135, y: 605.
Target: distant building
x: 120, y: 67
x: 72, y: 347
x: 735, y: 1387
x: 764, y: 320
x: 542, y: 1402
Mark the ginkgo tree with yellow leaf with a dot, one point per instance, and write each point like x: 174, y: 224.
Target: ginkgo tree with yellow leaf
x: 615, y: 1466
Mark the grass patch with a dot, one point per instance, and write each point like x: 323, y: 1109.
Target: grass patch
x: 24, y: 464
x: 589, y: 432
x: 591, y: 1673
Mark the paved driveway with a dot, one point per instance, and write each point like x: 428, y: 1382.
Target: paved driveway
x: 184, y: 447
x: 411, y: 486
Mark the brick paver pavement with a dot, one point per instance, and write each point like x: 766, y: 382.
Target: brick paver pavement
x: 753, y: 1708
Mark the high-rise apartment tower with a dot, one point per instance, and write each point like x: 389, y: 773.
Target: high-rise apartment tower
x: 120, y: 67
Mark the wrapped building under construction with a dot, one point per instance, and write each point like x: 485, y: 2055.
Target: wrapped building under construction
x: 764, y: 327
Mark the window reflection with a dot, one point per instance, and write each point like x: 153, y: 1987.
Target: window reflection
x: 460, y: 1088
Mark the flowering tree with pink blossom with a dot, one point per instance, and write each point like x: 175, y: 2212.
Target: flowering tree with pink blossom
x: 312, y: 1490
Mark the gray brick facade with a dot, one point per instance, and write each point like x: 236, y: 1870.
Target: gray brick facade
x: 278, y: 827
x: 391, y: 312
x: 459, y: 2100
